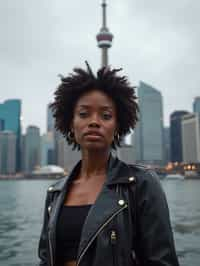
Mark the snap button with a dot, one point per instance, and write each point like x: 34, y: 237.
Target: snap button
x: 49, y: 208
x: 50, y: 189
x: 131, y: 178
x: 121, y: 202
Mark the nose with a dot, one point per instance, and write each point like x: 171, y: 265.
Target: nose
x: 94, y: 122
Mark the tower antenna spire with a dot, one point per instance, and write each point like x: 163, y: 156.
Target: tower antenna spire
x: 104, y: 13
x: 104, y: 37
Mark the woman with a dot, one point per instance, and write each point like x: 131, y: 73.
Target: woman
x: 105, y: 212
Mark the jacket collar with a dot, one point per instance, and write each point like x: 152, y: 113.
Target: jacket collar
x: 118, y: 172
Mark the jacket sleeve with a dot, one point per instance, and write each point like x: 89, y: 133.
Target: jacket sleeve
x: 155, y: 243
x: 42, y: 248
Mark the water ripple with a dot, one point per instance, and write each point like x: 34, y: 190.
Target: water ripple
x: 21, y: 208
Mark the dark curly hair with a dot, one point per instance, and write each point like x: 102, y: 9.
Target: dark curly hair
x: 108, y: 81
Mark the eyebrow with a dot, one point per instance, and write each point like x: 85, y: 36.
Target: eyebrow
x: 89, y: 106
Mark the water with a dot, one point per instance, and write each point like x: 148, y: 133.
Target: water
x: 21, y: 214
x: 184, y: 202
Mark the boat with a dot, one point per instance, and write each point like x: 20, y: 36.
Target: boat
x: 175, y: 177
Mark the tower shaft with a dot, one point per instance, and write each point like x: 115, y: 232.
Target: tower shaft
x: 104, y: 57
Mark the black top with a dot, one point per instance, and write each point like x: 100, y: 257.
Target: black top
x: 68, y: 234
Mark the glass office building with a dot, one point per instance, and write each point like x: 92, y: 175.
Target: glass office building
x: 50, y: 119
x: 176, y: 152
x: 196, y: 105
x: 32, y: 151
x: 149, y: 130
x: 7, y: 152
x: 10, y: 114
x: 1, y: 124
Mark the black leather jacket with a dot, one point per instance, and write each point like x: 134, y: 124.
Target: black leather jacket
x: 128, y: 224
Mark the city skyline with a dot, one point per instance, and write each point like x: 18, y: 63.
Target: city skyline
x: 155, y: 42
x: 48, y: 113
x: 150, y: 145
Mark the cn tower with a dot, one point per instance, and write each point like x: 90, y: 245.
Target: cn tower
x: 104, y: 37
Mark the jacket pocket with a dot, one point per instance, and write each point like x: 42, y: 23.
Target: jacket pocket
x: 113, y: 241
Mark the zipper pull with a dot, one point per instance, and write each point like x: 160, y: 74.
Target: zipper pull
x: 113, y: 237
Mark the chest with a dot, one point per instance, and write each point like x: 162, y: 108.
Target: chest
x: 84, y: 192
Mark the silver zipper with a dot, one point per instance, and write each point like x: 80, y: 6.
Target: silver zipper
x: 51, y: 252
x: 113, y: 237
x: 99, y: 231
x: 113, y: 240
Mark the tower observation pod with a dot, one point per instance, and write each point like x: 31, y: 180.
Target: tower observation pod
x: 104, y: 37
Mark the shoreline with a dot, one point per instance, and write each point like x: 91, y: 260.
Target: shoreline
x: 31, y: 177
x: 57, y: 177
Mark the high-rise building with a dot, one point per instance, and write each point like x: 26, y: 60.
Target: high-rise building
x: 7, y: 152
x: 126, y: 153
x: 51, y: 132
x: 66, y: 157
x: 166, y: 138
x: 149, y: 130
x: 191, y: 137
x: 1, y: 124
x: 47, y: 149
x: 196, y: 105
x: 176, y: 154
x: 50, y: 119
x: 104, y: 37
x: 32, y: 150
x: 10, y: 114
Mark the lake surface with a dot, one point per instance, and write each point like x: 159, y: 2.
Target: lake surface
x: 21, y: 214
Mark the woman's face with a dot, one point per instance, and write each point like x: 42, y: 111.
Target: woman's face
x: 94, y: 121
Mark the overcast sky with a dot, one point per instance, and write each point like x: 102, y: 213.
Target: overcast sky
x: 155, y: 41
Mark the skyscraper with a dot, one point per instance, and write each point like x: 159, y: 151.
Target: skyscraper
x: 191, y: 137
x: 126, y: 153
x: 50, y: 119
x: 1, y: 124
x: 47, y: 149
x: 196, y: 105
x: 66, y: 157
x: 32, y: 150
x: 166, y: 147
x: 7, y: 152
x: 176, y: 154
x: 104, y: 37
x: 10, y: 114
x: 149, y: 130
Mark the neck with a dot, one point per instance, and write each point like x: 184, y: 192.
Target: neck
x: 94, y: 163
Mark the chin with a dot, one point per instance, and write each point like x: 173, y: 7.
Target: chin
x: 95, y: 146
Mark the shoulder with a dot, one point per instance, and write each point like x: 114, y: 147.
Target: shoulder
x: 138, y: 173
x: 58, y: 185
x: 144, y: 175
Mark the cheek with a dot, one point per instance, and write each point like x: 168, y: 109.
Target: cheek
x: 111, y: 130
x: 76, y: 128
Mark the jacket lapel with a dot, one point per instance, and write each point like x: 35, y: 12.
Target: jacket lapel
x: 107, y: 204
x: 62, y: 188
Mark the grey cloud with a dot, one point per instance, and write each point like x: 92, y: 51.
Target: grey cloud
x: 155, y: 41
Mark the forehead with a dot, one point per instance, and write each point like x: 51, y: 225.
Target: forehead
x: 95, y: 98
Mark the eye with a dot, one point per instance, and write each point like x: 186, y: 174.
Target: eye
x: 107, y: 116
x: 83, y: 114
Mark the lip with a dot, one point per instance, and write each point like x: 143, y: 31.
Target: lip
x: 93, y: 134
